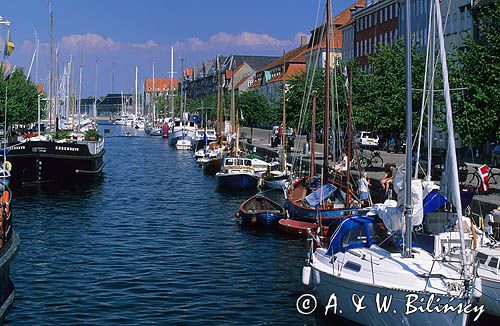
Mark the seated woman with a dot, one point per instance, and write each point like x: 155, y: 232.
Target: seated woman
x: 390, y: 172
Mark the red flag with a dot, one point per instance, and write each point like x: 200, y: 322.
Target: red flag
x: 483, y: 173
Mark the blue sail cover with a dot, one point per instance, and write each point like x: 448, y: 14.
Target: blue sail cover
x: 323, y: 193
x: 433, y: 201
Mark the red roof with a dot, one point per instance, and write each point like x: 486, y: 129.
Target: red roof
x: 161, y: 84
x: 339, y: 20
x: 292, y: 70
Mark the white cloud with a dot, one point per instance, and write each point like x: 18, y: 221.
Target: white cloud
x: 242, y: 41
x: 88, y: 41
x: 147, y: 45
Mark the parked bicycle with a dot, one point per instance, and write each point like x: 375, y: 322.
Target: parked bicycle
x: 474, y: 179
x: 373, y: 160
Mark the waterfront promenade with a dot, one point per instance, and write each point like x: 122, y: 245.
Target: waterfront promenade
x: 482, y: 203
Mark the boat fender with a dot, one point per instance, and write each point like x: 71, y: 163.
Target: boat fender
x: 5, y: 202
x: 237, y: 214
x: 478, y: 288
x: 306, y: 275
x: 254, y: 219
x: 7, y: 166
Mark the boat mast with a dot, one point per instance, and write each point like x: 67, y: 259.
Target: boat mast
x: 80, y: 98
x: 232, y: 113
x: 283, y: 121
x: 136, y: 91
x: 408, y: 165
x: 326, y: 128
x: 171, y: 81
x: 153, y: 95
x: 56, y: 106
x: 50, y: 66
x: 219, y: 114
x: 313, y: 134
x: 431, y: 98
x: 95, y: 92
x: 73, y: 99
x: 451, y: 162
x: 349, y: 141
x: 37, y: 82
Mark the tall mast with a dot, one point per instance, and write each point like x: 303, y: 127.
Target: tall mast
x: 431, y: 93
x: 219, y: 113
x: 349, y: 140
x: 37, y: 81
x: 56, y: 90
x: 453, y: 194
x: 136, y: 91
x: 73, y: 98
x: 313, y: 135
x: 183, y: 103
x: 283, y: 121
x: 172, y: 81
x: 80, y: 98
x: 95, y: 92
x: 153, y: 95
x: 50, y: 70
x: 408, y: 165
x: 113, y: 79
x: 232, y: 113
x: 326, y: 129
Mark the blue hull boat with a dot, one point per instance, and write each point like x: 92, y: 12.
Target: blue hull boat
x: 260, y: 211
x: 237, y: 181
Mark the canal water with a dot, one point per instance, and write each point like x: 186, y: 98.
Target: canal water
x: 152, y: 241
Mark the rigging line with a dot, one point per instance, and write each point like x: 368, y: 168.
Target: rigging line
x: 424, y: 98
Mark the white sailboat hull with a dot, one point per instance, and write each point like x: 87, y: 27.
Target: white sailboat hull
x: 326, y: 284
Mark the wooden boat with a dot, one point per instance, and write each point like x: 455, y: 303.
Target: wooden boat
x: 237, y: 173
x: 260, y: 211
x: 307, y: 203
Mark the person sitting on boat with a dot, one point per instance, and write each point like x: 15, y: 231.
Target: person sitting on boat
x: 364, y: 189
x: 390, y: 173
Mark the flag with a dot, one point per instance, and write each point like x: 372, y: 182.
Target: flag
x: 7, y: 69
x: 346, y: 85
x: 9, y: 45
x: 483, y: 174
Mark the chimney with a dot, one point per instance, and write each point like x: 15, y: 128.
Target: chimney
x: 303, y: 40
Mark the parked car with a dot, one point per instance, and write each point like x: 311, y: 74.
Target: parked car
x: 438, y: 165
x: 395, y: 144
x: 367, y: 139
x: 495, y: 156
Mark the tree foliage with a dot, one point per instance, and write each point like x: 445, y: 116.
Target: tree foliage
x: 255, y: 109
x: 478, y: 71
x: 22, y: 102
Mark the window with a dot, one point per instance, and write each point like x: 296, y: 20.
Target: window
x: 369, y: 46
x: 380, y: 14
x: 380, y: 42
x: 390, y: 38
x: 396, y: 9
x: 385, y: 38
x: 455, y: 23
x: 390, y: 12
x: 395, y: 33
x: 385, y: 14
x: 370, y: 20
x: 493, y: 262
x: 462, y: 19
x: 374, y: 44
x: 355, y: 238
x: 469, y: 20
x: 357, y: 49
x: 366, y: 47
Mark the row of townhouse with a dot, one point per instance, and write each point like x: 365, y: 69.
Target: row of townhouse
x: 357, y: 32
x: 381, y: 22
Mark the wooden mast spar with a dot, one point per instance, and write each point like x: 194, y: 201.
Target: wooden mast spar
x: 326, y: 129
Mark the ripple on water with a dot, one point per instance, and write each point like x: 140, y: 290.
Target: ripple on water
x: 152, y: 241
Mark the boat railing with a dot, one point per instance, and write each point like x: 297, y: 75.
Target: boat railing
x: 95, y: 147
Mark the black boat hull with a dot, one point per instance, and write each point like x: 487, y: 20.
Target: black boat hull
x: 37, y: 162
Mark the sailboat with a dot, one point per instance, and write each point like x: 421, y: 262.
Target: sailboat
x: 276, y: 178
x: 327, y: 198
x: 212, y: 162
x: 364, y: 260
x: 47, y: 158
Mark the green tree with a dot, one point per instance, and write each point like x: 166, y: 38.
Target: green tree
x: 22, y: 102
x: 255, y: 109
x: 477, y: 111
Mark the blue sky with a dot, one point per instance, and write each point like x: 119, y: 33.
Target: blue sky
x: 131, y: 32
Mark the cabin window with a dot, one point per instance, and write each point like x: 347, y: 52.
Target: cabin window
x: 356, y: 237
x: 229, y: 162
x: 493, y: 262
x: 352, y: 266
x: 380, y: 236
x: 481, y: 258
x: 248, y: 163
